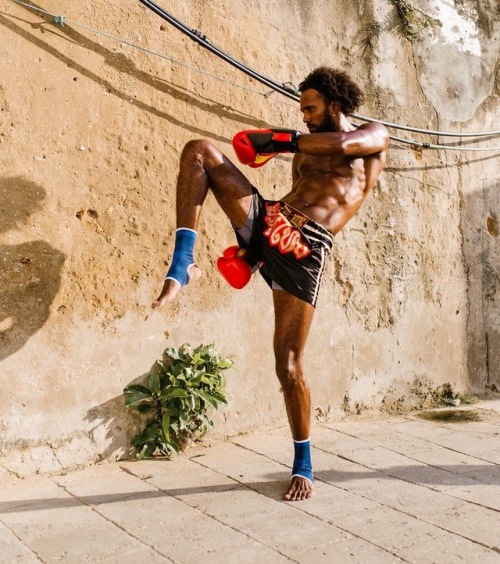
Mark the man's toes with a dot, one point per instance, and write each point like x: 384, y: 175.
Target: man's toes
x: 291, y: 494
x: 157, y: 303
x: 299, y: 489
x: 169, y: 291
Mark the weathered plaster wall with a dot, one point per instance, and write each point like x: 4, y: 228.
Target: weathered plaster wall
x: 468, y: 66
x: 91, y: 132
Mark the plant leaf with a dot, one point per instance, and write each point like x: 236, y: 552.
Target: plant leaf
x: 171, y: 353
x: 192, y: 402
x: 137, y: 398
x: 183, y: 420
x: 137, y: 440
x: 150, y: 432
x: 165, y: 426
x: 207, y: 397
x: 219, y: 397
x: 147, y: 451
x: 154, y: 382
x: 136, y: 388
x: 173, y: 393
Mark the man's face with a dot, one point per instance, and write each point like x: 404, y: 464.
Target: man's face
x: 317, y: 114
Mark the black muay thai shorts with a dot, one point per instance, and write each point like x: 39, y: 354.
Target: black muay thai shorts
x: 291, y: 247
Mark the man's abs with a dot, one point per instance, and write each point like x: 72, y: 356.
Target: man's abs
x: 329, y: 208
x: 332, y: 193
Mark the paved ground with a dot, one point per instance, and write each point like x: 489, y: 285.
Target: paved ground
x: 392, y: 490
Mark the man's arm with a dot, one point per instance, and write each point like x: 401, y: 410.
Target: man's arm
x: 367, y: 139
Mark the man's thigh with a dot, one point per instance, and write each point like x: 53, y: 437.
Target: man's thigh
x: 232, y: 190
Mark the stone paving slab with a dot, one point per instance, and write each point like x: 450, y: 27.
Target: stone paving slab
x: 12, y: 549
x: 160, y: 520
x: 50, y: 522
x: 392, y: 490
x: 244, y: 508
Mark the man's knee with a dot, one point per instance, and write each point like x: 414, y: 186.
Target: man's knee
x: 197, y: 146
x: 289, y: 370
x: 202, y: 151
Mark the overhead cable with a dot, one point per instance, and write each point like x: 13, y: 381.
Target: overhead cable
x: 284, y: 88
x: 202, y: 39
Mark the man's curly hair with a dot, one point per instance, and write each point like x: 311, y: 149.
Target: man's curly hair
x: 335, y: 86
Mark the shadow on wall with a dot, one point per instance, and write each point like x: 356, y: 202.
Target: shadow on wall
x: 111, y: 427
x: 482, y: 254
x: 30, y: 273
x: 114, y: 425
x: 124, y: 65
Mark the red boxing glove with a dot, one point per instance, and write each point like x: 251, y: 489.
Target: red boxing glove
x: 234, y: 268
x: 255, y: 147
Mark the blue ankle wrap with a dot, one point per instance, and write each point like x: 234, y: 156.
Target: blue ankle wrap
x: 302, y: 465
x: 183, y: 256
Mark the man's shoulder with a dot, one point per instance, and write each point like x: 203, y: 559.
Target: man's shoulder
x: 375, y: 126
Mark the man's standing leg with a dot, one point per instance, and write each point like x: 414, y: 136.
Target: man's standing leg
x: 202, y: 167
x: 293, y: 319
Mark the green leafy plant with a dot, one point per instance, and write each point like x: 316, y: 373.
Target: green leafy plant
x: 176, y: 398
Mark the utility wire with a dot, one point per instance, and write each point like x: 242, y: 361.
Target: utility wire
x: 439, y: 146
x: 428, y: 131
x: 281, y: 88
x: 61, y: 20
x: 200, y: 38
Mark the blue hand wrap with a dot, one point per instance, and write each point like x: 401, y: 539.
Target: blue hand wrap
x: 302, y: 465
x: 183, y: 256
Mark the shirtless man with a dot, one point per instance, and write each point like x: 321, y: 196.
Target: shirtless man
x: 334, y: 168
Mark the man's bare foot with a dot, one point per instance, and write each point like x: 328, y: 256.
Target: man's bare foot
x: 171, y: 287
x: 300, y: 489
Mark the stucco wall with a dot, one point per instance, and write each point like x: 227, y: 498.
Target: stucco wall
x: 91, y: 132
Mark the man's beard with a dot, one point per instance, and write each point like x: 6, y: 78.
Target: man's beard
x: 326, y: 126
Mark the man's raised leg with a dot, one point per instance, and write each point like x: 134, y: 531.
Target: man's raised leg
x: 202, y: 167
x: 293, y: 319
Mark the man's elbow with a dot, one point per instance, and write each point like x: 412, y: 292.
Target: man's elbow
x: 384, y: 138
x: 376, y: 142
x: 379, y: 137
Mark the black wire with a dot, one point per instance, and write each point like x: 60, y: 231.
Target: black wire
x: 290, y: 91
x: 205, y: 42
